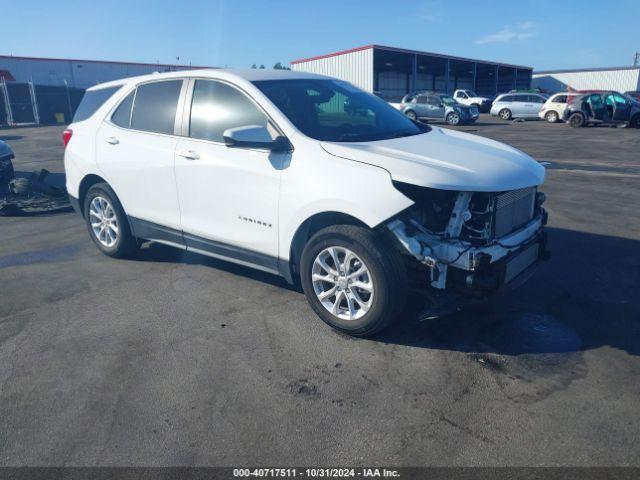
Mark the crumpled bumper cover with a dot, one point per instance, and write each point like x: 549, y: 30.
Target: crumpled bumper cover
x: 502, y: 265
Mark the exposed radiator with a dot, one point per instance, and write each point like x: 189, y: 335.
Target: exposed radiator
x: 513, y: 210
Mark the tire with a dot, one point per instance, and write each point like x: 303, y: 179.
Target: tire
x: 635, y: 121
x: 114, y: 237
x: 576, y: 120
x: 551, y: 117
x: 411, y: 115
x: 505, y: 114
x: 453, y: 118
x: 385, y: 278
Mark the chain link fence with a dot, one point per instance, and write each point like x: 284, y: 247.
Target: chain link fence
x: 29, y: 104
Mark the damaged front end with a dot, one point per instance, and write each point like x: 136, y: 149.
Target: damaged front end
x: 472, y: 243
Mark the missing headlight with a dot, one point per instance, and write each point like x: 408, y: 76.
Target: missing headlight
x: 433, y: 206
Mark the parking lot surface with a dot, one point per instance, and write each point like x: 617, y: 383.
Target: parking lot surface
x: 177, y: 359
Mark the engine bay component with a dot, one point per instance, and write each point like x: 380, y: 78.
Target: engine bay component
x: 483, y: 229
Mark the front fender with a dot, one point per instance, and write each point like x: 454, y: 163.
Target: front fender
x: 326, y: 183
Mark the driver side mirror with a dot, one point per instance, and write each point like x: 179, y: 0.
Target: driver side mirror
x: 255, y: 136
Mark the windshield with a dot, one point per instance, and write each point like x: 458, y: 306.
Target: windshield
x: 333, y: 110
x: 448, y: 101
x: 471, y: 93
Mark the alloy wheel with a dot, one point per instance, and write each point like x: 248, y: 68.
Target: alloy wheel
x: 342, y: 283
x: 104, y: 222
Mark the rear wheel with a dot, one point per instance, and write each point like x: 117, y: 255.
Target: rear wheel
x: 107, y: 223
x: 411, y: 115
x: 353, y: 279
x: 576, y: 120
x: 453, y: 118
x: 505, y: 114
x: 635, y: 121
x: 551, y: 117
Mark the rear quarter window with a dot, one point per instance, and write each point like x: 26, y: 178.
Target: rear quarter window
x: 92, y: 101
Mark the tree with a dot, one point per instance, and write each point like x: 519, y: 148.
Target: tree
x: 254, y: 66
x: 262, y: 67
x: 279, y: 66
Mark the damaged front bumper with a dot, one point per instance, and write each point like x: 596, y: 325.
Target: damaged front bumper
x: 455, y: 265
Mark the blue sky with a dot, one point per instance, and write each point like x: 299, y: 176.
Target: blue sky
x: 237, y: 33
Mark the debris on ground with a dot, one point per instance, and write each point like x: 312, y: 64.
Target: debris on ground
x: 32, y: 196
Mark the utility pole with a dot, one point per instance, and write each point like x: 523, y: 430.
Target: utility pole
x: 636, y: 59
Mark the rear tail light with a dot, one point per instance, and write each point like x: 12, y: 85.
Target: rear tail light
x: 66, y: 136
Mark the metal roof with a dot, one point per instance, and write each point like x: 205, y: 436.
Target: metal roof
x: 404, y: 50
x: 44, y: 59
x: 580, y: 70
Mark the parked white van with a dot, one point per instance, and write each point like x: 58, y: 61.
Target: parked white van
x: 306, y: 177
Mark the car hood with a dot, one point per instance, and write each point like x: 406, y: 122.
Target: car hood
x: 448, y: 160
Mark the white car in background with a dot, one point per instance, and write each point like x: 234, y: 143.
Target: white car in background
x: 553, y: 109
x: 307, y: 177
x: 469, y: 97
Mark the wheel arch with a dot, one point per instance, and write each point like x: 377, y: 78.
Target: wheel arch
x: 309, y: 227
x: 86, y: 183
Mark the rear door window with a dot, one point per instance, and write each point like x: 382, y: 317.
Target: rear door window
x: 619, y: 100
x: 155, y: 106
x: 92, y: 101
x: 560, y: 99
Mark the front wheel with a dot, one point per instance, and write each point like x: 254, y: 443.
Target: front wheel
x: 353, y: 279
x: 635, y: 121
x: 576, y: 120
x: 505, y: 114
x: 107, y: 223
x: 453, y: 118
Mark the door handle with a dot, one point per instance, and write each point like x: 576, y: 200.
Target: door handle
x: 112, y: 140
x: 189, y: 155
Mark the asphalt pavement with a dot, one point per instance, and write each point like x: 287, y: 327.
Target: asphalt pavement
x: 177, y: 359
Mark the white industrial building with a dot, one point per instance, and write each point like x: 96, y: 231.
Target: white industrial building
x: 393, y: 72
x: 48, y: 90
x: 75, y: 73
x: 620, y: 79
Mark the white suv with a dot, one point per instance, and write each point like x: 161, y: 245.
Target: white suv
x: 306, y: 177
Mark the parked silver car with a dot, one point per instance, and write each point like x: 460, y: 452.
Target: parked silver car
x: 437, y: 106
x: 517, y: 105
